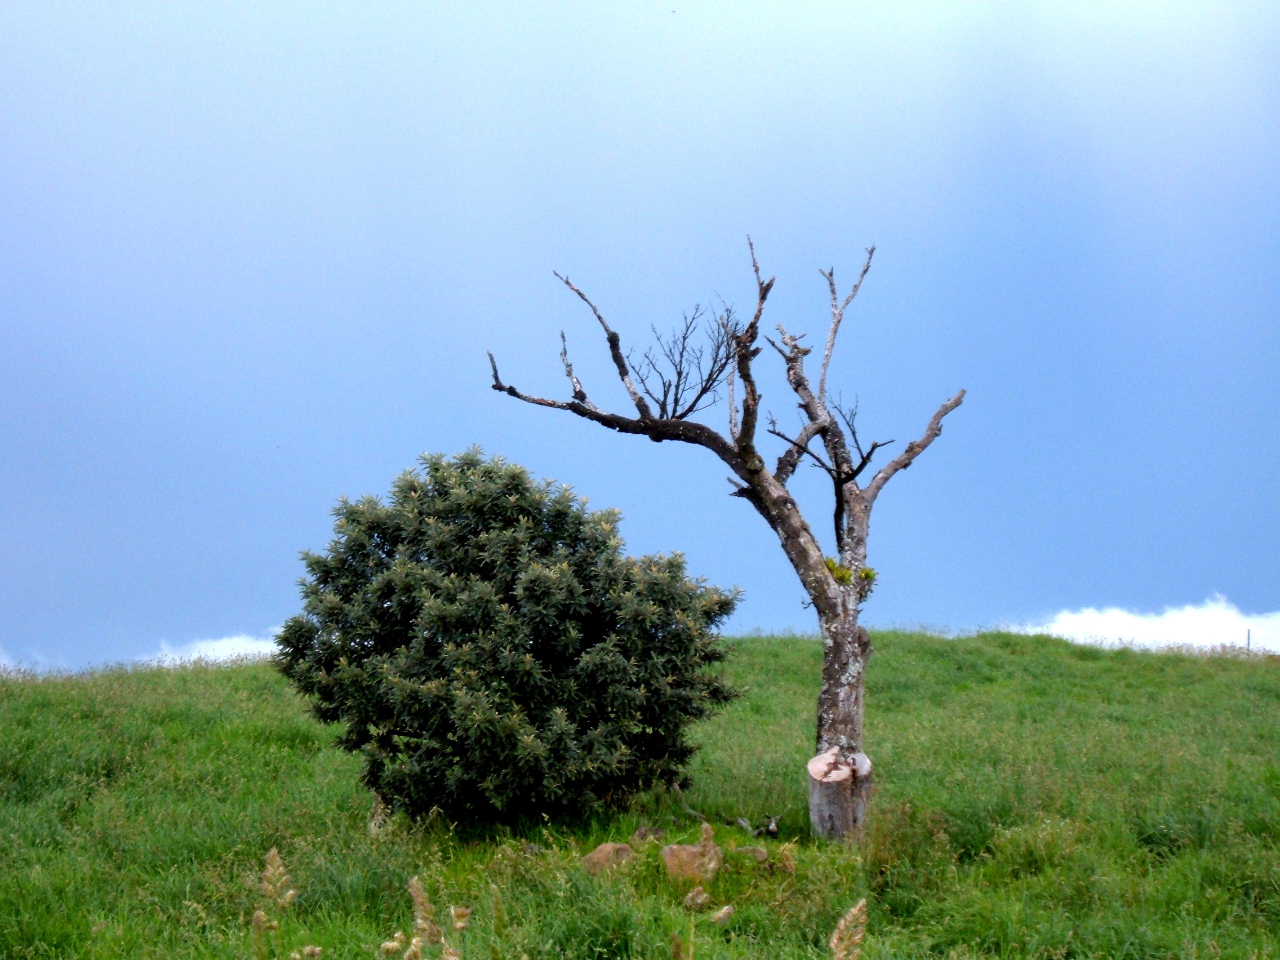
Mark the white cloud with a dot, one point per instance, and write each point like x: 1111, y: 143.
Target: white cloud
x: 222, y: 648
x: 1216, y: 622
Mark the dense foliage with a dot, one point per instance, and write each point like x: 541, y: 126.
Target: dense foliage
x: 492, y: 651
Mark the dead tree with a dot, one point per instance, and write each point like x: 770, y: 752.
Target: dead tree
x: 685, y: 373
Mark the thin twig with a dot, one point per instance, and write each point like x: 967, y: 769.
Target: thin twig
x: 837, y: 315
x: 801, y: 448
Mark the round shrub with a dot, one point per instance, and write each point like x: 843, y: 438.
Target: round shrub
x: 494, y: 654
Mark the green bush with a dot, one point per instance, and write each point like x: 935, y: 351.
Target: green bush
x: 493, y: 653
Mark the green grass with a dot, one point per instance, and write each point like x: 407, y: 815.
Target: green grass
x: 1035, y: 799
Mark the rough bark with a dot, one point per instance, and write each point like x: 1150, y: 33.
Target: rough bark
x: 838, y: 801
x: 840, y: 776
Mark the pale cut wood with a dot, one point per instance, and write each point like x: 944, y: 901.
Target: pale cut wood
x: 827, y: 767
x: 839, y: 791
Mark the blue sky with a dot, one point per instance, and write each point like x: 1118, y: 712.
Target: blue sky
x: 252, y: 257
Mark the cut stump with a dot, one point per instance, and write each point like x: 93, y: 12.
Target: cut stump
x: 838, y: 793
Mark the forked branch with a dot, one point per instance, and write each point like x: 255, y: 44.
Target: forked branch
x: 838, y: 308
x: 914, y: 448
x: 615, y: 350
x: 745, y: 351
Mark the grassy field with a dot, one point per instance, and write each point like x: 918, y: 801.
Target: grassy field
x: 1035, y: 799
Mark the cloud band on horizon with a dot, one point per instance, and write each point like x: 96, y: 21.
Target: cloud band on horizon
x: 1215, y: 623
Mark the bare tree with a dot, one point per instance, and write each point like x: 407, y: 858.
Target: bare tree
x: 683, y: 374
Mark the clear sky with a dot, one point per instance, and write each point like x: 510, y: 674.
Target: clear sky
x: 252, y: 256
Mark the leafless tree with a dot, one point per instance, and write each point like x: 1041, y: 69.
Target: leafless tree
x: 686, y: 372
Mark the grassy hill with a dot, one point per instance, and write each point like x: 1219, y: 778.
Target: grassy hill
x: 1035, y: 799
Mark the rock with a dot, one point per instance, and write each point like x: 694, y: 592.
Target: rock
x: 694, y: 861
x: 606, y: 857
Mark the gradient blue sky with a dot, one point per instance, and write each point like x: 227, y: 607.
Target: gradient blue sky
x: 252, y: 256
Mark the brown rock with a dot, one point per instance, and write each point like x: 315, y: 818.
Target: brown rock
x: 694, y: 861
x: 606, y: 857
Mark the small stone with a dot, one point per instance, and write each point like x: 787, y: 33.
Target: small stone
x: 606, y: 857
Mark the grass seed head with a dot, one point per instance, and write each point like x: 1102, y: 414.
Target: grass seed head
x: 723, y: 915
x: 424, y: 915
x: 697, y: 899
x: 787, y: 856
x: 275, y: 883
x: 846, y: 939
x: 378, y: 817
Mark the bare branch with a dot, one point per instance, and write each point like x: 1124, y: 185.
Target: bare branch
x: 513, y: 392
x: 755, y: 264
x: 864, y: 456
x: 837, y: 315
x: 791, y: 456
x: 720, y: 361
x: 681, y: 375
x: 773, y: 343
x: 615, y: 349
x: 850, y: 417
x: 578, y: 393
x: 735, y: 426
x: 685, y: 431
x: 815, y: 407
x: 746, y: 351
x: 914, y: 448
x: 801, y: 448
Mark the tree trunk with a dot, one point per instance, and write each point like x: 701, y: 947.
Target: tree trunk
x: 840, y: 775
